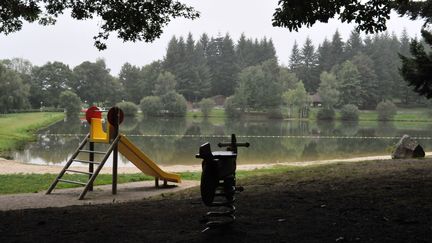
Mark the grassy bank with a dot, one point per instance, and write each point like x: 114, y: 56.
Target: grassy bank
x: 403, y: 115
x: 27, y: 183
x: 18, y: 128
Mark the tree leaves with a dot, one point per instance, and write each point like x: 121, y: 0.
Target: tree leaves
x: 133, y: 20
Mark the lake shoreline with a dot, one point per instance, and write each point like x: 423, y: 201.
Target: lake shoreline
x: 18, y: 167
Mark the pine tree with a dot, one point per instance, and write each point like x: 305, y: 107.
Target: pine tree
x: 407, y: 94
x: 354, y: 45
x: 337, y: 49
x: 184, y: 72
x: 324, y: 56
x: 295, y: 58
x: 223, y: 65
x: 242, y: 51
x: 308, y: 71
x: 417, y: 70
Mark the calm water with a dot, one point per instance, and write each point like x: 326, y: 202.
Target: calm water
x: 271, y: 140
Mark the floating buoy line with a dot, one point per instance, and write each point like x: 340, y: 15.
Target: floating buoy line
x: 241, y: 136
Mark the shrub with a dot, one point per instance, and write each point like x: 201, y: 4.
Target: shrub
x: 326, y: 114
x: 206, y: 106
x: 349, y: 113
x: 232, y: 108
x: 386, y: 110
x: 174, y: 104
x: 70, y: 102
x: 275, y: 113
x: 151, y: 106
x: 128, y: 108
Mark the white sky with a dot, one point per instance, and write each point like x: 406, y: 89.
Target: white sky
x: 71, y: 41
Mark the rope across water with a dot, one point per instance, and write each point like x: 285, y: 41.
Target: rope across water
x: 244, y: 136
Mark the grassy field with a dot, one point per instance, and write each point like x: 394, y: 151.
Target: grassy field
x: 403, y: 115
x: 16, y: 129
x: 28, y: 183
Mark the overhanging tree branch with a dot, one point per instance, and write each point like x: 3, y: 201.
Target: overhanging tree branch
x: 133, y: 20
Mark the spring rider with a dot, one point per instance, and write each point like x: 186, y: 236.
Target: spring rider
x: 218, y: 181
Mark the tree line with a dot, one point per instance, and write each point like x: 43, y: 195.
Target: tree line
x: 360, y: 71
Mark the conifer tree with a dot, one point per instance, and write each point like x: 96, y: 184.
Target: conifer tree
x: 337, y: 49
x: 308, y: 71
x: 324, y: 56
x: 354, y: 45
x: 417, y: 70
x: 295, y: 58
x: 223, y: 65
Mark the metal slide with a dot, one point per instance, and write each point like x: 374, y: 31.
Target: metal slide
x: 143, y: 162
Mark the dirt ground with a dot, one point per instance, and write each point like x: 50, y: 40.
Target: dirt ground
x: 382, y: 201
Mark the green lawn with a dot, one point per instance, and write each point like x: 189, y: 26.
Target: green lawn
x: 213, y: 113
x: 28, y: 183
x: 16, y: 129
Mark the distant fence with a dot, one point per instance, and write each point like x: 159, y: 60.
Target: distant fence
x: 244, y: 136
x: 46, y: 109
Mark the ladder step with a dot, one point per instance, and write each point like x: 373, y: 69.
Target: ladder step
x: 93, y: 152
x: 73, y: 182
x: 86, y: 161
x: 81, y: 172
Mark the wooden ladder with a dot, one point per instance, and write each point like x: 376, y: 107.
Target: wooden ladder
x: 92, y: 175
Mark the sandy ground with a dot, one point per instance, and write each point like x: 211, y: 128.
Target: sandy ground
x: 14, y: 167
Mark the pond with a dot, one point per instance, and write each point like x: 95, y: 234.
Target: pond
x: 175, y: 141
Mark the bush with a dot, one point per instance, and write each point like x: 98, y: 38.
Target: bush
x: 151, y: 106
x: 70, y: 102
x: 206, y: 106
x: 349, y: 113
x: 274, y: 113
x: 174, y: 104
x: 232, y: 108
x: 128, y: 108
x: 386, y: 110
x: 326, y: 114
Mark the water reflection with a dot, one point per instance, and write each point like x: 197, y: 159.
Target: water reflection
x: 283, y: 141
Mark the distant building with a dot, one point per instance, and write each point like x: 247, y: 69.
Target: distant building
x: 316, y: 100
x: 219, y: 100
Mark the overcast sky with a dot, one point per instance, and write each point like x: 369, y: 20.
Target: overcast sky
x: 71, y: 42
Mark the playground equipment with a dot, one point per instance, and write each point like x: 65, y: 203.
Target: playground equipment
x: 116, y: 143
x: 218, y: 180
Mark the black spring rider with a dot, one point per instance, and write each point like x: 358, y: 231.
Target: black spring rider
x: 218, y: 180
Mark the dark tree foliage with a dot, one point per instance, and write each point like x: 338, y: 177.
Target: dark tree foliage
x: 223, y: 65
x: 47, y: 82
x: 337, y: 49
x: 308, y: 70
x: 417, y: 71
x: 324, y: 56
x: 132, y: 20
x: 370, y: 16
x: 252, y: 53
x: 354, y: 45
x: 94, y: 84
x: 131, y: 77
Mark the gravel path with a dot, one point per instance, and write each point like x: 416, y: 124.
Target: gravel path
x: 14, y: 167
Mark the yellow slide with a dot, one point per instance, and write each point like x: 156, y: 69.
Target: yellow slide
x: 143, y: 162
